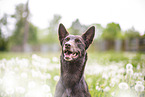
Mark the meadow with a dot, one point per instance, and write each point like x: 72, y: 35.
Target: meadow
x: 108, y: 74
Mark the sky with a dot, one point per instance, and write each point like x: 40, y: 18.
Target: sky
x: 128, y: 13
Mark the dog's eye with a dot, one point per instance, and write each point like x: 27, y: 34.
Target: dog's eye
x: 77, y: 41
x: 67, y: 39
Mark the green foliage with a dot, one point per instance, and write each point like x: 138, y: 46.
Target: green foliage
x: 77, y: 28
x: 3, y: 42
x: 18, y: 34
x: 33, y: 30
x: 50, y: 35
x: 131, y: 33
x: 42, y: 69
x: 112, y: 31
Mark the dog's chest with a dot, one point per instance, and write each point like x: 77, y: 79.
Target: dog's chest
x: 71, y: 75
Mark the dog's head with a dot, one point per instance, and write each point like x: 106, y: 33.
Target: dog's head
x: 74, y: 46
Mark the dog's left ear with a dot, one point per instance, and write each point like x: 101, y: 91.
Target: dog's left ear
x: 88, y: 36
x: 62, y: 32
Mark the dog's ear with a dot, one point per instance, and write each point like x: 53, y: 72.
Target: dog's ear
x: 88, y: 36
x: 62, y: 32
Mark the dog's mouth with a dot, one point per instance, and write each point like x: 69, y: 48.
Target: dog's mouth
x: 69, y: 55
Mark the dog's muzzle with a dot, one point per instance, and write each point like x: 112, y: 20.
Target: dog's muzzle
x: 69, y: 53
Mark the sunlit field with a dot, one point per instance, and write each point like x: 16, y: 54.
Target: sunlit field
x: 108, y: 74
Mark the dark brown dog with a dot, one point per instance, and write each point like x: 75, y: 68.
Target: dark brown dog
x: 73, y: 60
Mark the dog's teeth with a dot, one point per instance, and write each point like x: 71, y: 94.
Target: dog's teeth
x: 74, y: 54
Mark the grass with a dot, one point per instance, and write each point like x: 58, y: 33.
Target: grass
x: 121, y: 74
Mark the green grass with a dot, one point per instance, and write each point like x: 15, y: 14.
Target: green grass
x: 22, y: 64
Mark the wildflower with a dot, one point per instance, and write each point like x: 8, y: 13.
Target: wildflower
x: 46, y: 88
x: 129, y: 71
x: 31, y: 84
x: 48, y: 76
x: 49, y: 95
x: 20, y: 90
x: 123, y: 86
x: 139, y: 87
x: 113, y: 93
x: 107, y: 89
x: 56, y: 78
x: 138, y: 67
x: 24, y: 75
x: 9, y: 91
x: 98, y: 88
x: 55, y: 59
x: 129, y: 66
x: 139, y: 82
x: 105, y: 76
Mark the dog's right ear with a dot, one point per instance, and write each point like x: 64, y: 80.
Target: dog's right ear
x: 62, y: 33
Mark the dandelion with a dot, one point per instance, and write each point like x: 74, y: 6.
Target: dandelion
x: 49, y: 95
x: 107, y: 89
x: 9, y: 90
x: 48, y: 76
x: 24, y: 75
x: 139, y: 87
x: 55, y: 59
x: 113, y: 93
x: 123, y: 86
x: 56, y: 78
x: 46, y: 88
x: 139, y: 82
x: 1, y: 81
x: 98, y: 88
x: 20, y: 90
x: 138, y: 67
x: 105, y: 76
x: 129, y: 66
x: 129, y: 71
x: 31, y: 84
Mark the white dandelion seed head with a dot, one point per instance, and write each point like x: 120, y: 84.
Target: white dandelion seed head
x: 105, y: 76
x: 56, y: 78
x: 48, y: 76
x: 98, y: 88
x: 107, y: 89
x: 9, y: 90
x: 139, y: 82
x: 113, y: 93
x: 31, y: 84
x: 46, y: 88
x: 49, y: 95
x: 20, y: 90
x: 139, y: 87
x: 24, y: 75
x: 55, y: 59
x: 129, y: 66
x: 129, y: 71
x: 123, y: 86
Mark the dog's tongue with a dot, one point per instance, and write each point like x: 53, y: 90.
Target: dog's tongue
x: 67, y: 55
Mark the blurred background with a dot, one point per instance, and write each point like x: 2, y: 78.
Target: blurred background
x: 31, y: 26
x: 30, y: 49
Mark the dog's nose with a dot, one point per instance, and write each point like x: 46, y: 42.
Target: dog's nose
x: 67, y: 45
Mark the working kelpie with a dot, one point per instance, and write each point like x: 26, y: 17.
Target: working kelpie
x: 73, y: 60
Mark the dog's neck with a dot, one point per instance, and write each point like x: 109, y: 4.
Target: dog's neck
x: 72, y: 71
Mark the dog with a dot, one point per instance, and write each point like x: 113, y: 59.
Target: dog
x: 73, y: 60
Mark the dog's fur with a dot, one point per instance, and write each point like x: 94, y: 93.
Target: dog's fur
x: 73, y: 60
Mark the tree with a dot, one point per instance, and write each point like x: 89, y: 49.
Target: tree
x: 25, y: 32
x: 53, y: 26
x: 131, y: 33
x: 111, y: 32
x: 77, y: 28
x: 98, y: 30
x: 3, y: 40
